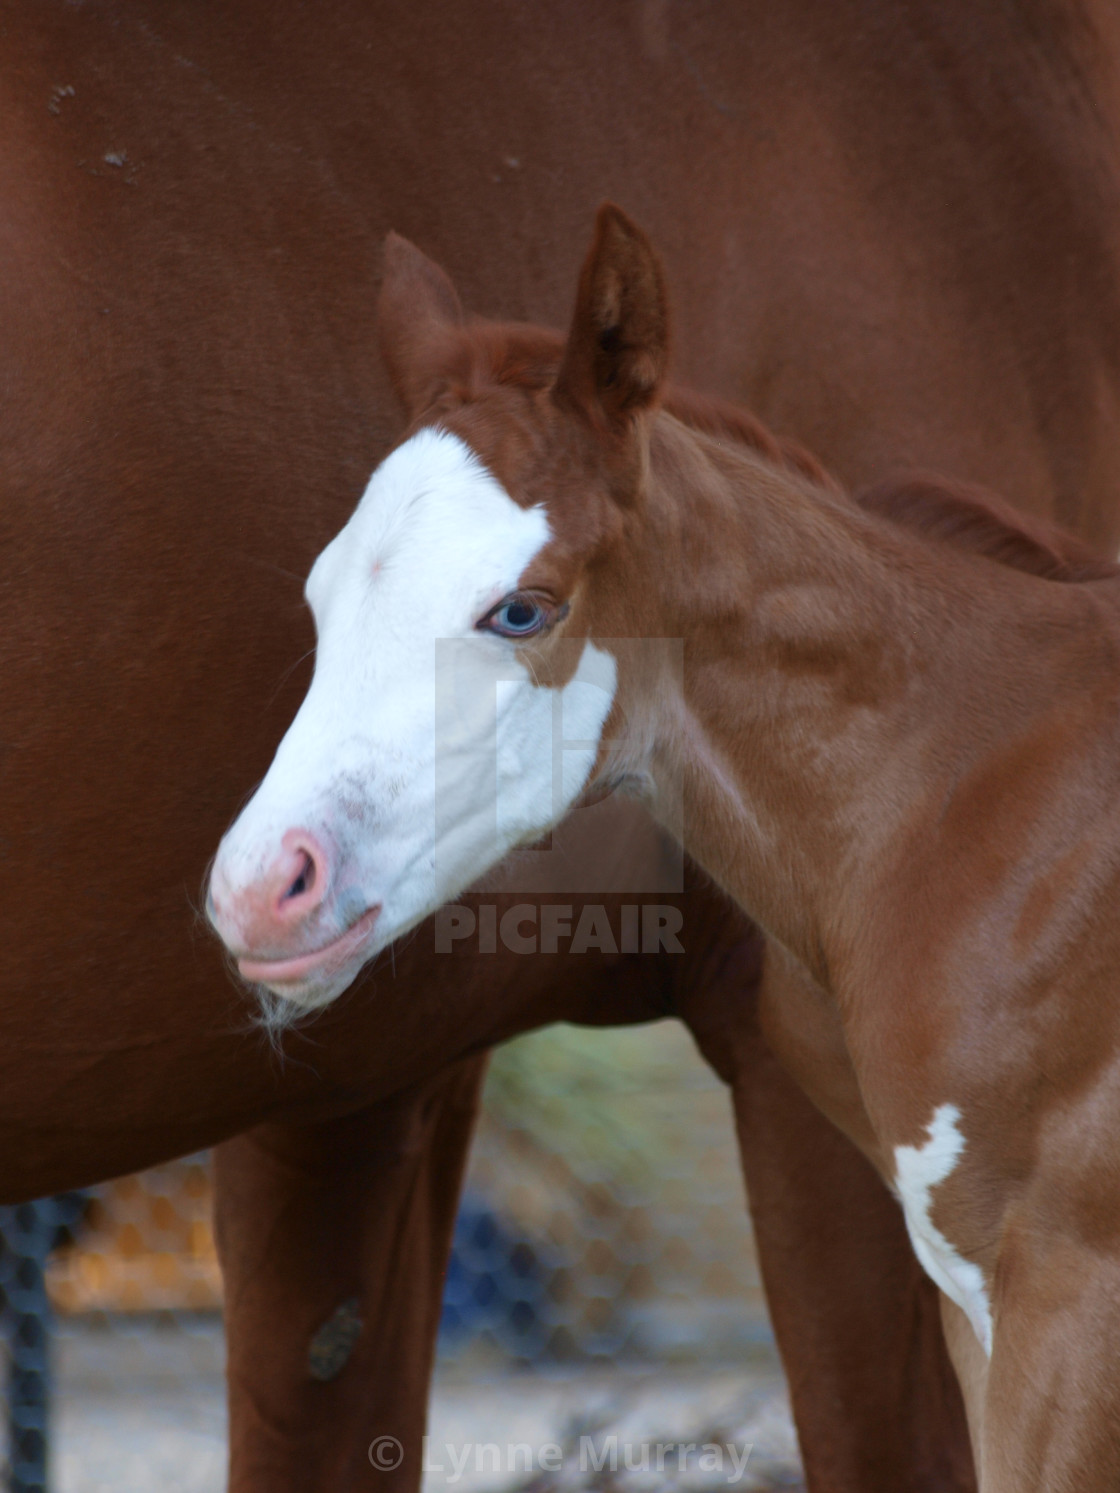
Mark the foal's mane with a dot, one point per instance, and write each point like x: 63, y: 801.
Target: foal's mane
x: 975, y: 519
x: 957, y: 513
x: 715, y: 417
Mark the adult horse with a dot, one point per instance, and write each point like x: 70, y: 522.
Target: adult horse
x: 194, y: 204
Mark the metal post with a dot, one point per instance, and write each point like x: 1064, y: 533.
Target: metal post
x: 28, y: 1233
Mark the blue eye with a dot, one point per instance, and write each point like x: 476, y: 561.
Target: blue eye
x: 520, y: 616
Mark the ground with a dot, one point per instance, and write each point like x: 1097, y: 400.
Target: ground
x: 145, y: 1409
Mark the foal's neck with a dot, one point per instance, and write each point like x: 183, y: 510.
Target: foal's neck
x: 837, y: 670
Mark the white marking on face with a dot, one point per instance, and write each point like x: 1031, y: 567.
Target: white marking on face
x: 918, y: 1170
x: 424, y: 750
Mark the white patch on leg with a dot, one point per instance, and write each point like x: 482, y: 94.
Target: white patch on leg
x: 918, y: 1170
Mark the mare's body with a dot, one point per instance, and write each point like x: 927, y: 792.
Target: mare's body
x: 193, y: 206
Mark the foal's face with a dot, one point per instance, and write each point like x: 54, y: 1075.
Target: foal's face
x: 458, y: 703
x: 429, y: 744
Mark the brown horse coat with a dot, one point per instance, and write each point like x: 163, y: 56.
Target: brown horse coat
x: 891, y: 228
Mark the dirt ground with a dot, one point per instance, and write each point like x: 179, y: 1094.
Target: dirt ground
x: 144, y: 1409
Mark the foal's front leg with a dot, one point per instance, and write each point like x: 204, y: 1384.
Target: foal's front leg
x: 1051, y: 1404
x: 856, y: 1319
x: 874, y: 1394
x: 334, y: 1240
x: 875, y: 1399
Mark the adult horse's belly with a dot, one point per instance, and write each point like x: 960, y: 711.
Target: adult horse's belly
x: 191, y: 210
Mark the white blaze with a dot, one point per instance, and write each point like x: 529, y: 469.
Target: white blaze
x: 424, y: 750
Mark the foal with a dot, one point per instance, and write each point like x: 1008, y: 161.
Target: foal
x: 890, y: 731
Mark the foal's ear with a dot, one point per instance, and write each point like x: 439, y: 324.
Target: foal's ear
x: 417, y: 313
x: 617, y: 352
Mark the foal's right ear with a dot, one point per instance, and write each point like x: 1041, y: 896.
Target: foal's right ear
x: 617, y: 354
x: 418, y: 312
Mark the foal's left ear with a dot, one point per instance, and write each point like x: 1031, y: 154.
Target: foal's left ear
x: 617, y: 352
x: 418, y: 312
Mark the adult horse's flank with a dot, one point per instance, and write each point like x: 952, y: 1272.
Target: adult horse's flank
x: 894, y: 736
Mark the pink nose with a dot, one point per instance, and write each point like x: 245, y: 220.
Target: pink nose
x: 284, y: 896
x: 297, y: 881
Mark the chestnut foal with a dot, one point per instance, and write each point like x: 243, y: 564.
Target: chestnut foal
x: 893, y: 740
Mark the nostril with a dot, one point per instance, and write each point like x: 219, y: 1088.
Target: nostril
x: 304, y: 882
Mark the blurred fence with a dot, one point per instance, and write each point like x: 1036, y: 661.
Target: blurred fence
x: 602, y: 1222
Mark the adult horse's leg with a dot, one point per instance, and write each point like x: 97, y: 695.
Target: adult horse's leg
x: 334, y: 1241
